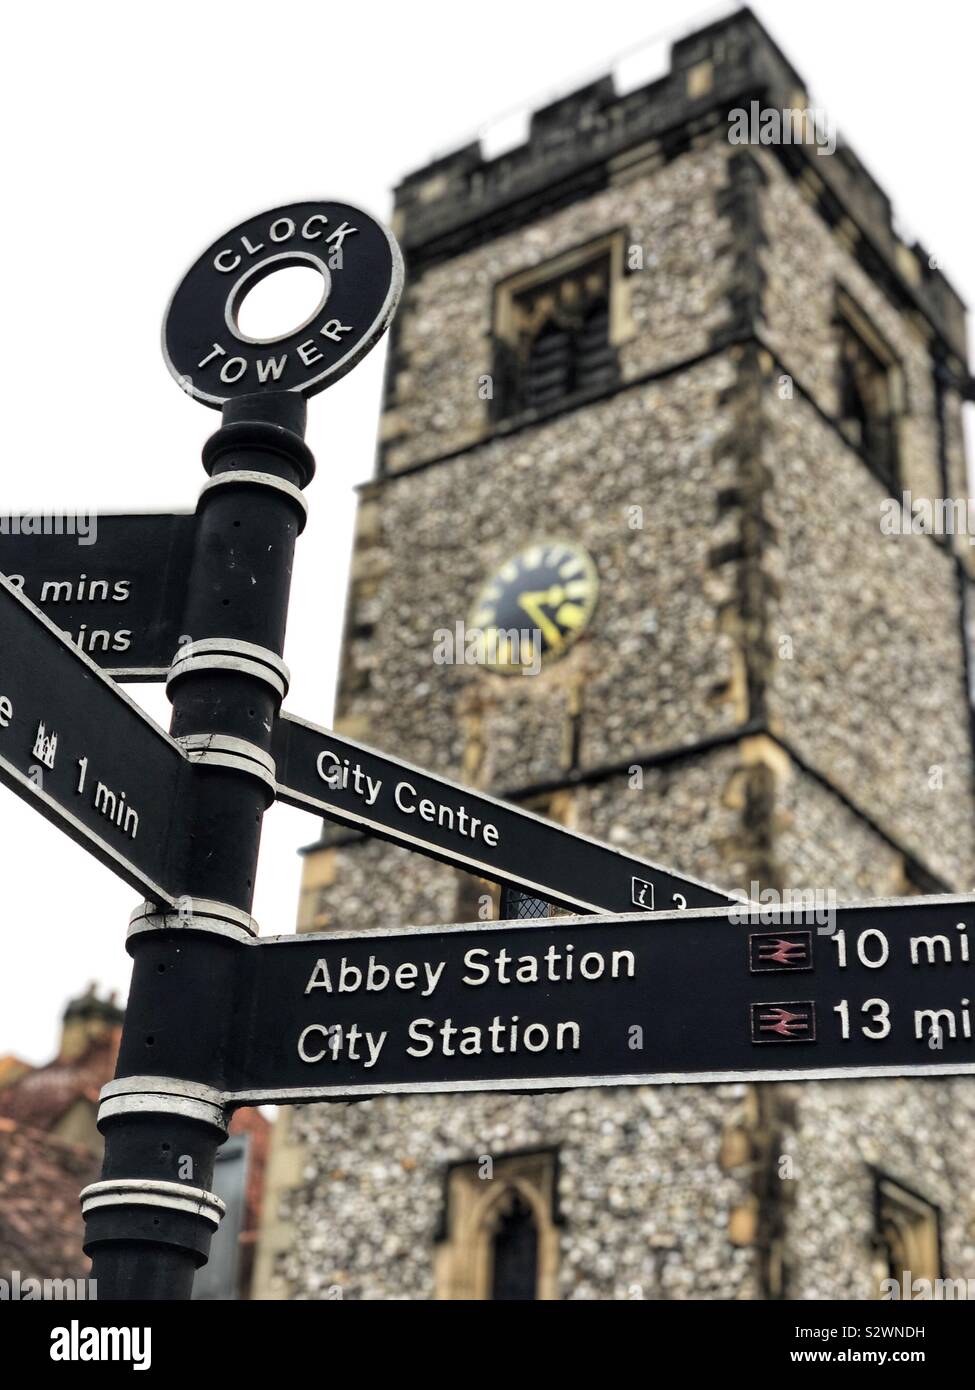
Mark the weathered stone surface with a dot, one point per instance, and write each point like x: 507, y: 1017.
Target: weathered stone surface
x: 644, y: 1205
x: 918, y: 1132
x: 873, y: 693
x: 656, y: 670
x: 805, y: 264
x: 676, y: 301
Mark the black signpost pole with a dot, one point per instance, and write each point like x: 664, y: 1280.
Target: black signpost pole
x: 151, y: 1217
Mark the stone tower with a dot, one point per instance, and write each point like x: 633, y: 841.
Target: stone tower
x: 704, y: 365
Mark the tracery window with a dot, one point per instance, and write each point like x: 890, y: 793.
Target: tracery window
x: 500, y: 1239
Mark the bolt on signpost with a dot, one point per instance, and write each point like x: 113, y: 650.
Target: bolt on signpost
x: 671, y: 981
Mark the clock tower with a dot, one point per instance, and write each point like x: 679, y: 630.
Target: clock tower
x: 624, y: 562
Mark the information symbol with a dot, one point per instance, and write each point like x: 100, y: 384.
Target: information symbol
x: 641, y: 894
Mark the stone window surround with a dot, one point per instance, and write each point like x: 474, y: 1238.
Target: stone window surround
x: 507, y: 292
x: 472, y: 1204
x: 907, y: 1231
x: 851, y: 315
x: 613, y: 244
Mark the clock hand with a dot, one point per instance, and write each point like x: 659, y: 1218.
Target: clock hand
x: 531, y: 603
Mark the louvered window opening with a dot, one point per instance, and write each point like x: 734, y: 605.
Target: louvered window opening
x: 563, y: 346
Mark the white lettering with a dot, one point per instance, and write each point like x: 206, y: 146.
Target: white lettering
x: 500, y: 1036
x: 334, y: 330
x: 457, y: 820
x: 218, y: 351
x: 302, y: 1053
x: 340, y: 1043
x: 320, y: 978
x: 341, y: 232
x: 315, y: 217
x: 238, y: 370
x: 272, y: 368
x: 309, y: 353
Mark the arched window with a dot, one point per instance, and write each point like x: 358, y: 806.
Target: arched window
x: 558, y: 328
x: 908, y: 1233
x: 514, y: 1250
x: 869, y: 388
x: 500, y: 1236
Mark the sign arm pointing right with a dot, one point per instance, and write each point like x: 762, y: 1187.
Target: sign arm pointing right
x: 368, y: 790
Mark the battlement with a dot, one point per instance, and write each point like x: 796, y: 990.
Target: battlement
x: 577, y: 144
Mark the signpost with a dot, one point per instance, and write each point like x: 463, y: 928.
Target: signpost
x: 713, y: 991
x: 150, y: 1219
x: 737, y: 994
x: 116, y: 585
x: 393, y: 800
x: 75, y: 747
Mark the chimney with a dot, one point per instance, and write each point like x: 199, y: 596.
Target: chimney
x: 86, y: 1020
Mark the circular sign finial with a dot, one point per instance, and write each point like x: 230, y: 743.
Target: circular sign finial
x: 362, y: 275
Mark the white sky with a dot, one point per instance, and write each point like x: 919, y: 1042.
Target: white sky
x: 135, y: 135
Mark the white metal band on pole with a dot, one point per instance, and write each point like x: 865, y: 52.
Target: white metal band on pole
x: 161, y: 1095
x: 222, y: 919
x: 195, y: 744
x: 146, y: 1192
x: 238, y: 764
x: 223, y: 750
x: 217, y: 662
x: 162, y: 1105
x: 252, y: 479
x: 231, y: 646
x: 228, y: 654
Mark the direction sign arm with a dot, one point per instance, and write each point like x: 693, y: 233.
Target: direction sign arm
x: 114, y: 583
x: 361, y: 787
x: 82, y: 753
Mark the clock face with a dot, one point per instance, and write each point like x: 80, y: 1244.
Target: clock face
x: 548, y: 592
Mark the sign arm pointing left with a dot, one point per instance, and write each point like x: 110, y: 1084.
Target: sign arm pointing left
x: 114, y: 583
x: 83, y: 754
